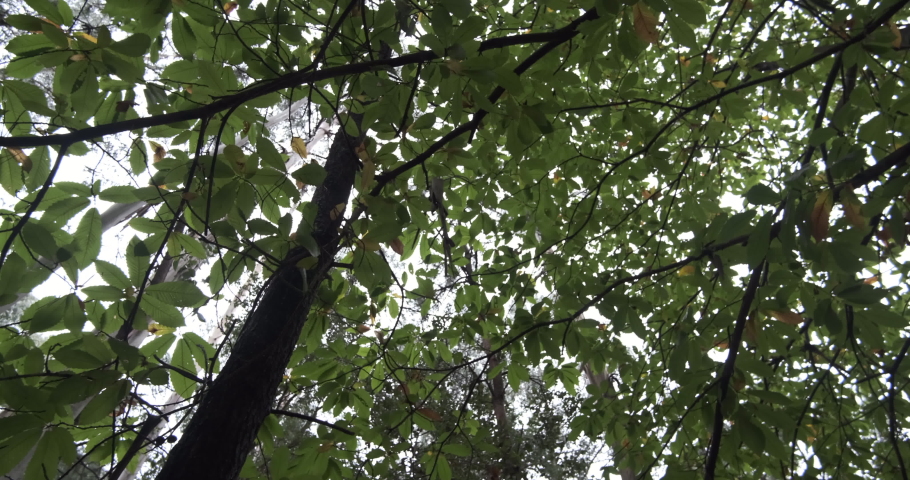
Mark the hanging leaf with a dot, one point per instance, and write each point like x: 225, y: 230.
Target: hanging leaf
x: 299, y: 146
x: 819, y: 219
x: 645, y: 23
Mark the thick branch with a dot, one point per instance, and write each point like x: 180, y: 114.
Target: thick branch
x: 293, y: 79
x: 727, y: 373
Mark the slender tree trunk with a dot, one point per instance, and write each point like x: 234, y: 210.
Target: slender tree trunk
x: 220, y: 435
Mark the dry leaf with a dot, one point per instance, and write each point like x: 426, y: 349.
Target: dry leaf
x: 397, y: 246
x: 454, y: 66
x: 124, y: 105
x: 299, y: 146
x: 710, y: 58
x: 431, y: 414
x: 158, y: 151
x: 21, y: 158
x: 820, y: 214
x: 684, y: 61
x: 362, y: 153
x: 230, y: 7
x: 752, y: 328
x: 718, y: 83
x: 645, y: 23
x: 788, y: 317
x: 159, y: 329
x: 871, y: 280
x: 896, y: 43
x: 363, y: 328
x: 190, y: 196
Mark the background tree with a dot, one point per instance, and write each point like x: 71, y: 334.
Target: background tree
x: 700, y: 205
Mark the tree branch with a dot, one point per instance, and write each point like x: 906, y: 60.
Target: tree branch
x: 312, y: 419
x: 727, y: 373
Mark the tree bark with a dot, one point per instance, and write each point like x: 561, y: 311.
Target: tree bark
x: 220, y: 435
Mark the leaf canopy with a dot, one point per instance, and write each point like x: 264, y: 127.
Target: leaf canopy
x: 672, y: 232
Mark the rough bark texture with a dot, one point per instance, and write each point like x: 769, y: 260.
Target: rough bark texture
x: 220, y: 435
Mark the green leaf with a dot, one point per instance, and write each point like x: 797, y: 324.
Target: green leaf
x: 184, y: 38
x: 112, y: 275
x: 100, y: 407
x: 310, y: 174
x: 88, y: 238
x: 135, y: 45
x: 759, y: 241
x: 162, y: 312
x: 178, y: 294
x: 762, y: 194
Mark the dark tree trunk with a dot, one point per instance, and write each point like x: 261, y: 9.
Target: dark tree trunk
x: 220, y: 434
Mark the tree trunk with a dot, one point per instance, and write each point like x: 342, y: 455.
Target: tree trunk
x: 219, y: 437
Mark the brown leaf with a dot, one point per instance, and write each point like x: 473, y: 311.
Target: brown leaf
x: 820, y: 214
x: 299, y: 146
x: 430, y: 414
x: 752, y: 328
x: 158, y: 151
x: 397, y: 246
x: 645, y: 23
x: 896, y: 43
x: 362, y: 152
x: 21, y: 158
x: 124, y: 105
x: 230, y: 7
x: 788, y: 317
x: 363, y: 328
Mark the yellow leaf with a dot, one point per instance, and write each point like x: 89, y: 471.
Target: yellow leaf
x: 87, y: 37
x: 686, y: 271
x: 369, y: 245
x: 159, y: 329
x: 366, y: 177
x: 299, y: 146
x: 645, y: 23
x: 871, y: 280
x: 719, y: 83
x: 230, y: 7
x: 820, y: 214
x: 684, y: 61
x: 788, y: 317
